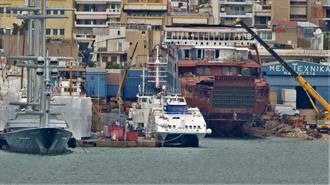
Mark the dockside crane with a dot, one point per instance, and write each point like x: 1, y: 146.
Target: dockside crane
x: 323, y: 120
x: 117, y: 100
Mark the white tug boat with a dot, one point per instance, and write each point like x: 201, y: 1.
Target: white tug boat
x: 167, y: 118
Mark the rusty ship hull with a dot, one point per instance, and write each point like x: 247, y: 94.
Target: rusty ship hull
x: 228, y: 101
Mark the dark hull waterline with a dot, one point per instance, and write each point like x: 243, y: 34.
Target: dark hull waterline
x: 38, y: 140
x: 179, y: 140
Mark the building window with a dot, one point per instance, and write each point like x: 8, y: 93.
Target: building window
x: 61, y: 31
x: 55, y: 32
x: 118, y: 32
x: 47, y: 31
x: 120, y: 46
x: 62, y: 12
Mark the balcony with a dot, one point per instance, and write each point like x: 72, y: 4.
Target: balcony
x: 189, y: 21
x: 90, y: 25
x: 326, y: 3
x: 96, y: 15
x: 96, y: 1
x: 236, y: 2
x: 236, y: 15
x: 84, y: 37
x: 262, y: 10
x: 150, y: 5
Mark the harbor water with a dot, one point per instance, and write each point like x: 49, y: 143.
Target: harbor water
x: 217, y: 161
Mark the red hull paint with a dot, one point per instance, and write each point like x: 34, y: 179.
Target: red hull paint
x: 226, y: 101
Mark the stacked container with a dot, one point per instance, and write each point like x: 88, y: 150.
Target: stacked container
x: 289, y: 97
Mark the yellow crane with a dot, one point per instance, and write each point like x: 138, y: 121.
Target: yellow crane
x: 323, y: 117
x: 117, y: 100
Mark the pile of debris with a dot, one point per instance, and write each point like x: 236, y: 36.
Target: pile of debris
x: 293, y: 127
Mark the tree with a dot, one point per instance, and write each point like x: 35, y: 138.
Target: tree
x: 111, y: 65
x: 21, y: 28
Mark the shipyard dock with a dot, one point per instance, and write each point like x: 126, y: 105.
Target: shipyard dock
x: 111, y: 143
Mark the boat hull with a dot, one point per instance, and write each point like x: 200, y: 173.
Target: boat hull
x: 178, y: 140
x: 38, y: 140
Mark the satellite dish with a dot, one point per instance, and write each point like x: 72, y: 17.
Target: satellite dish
x: 318, y: 32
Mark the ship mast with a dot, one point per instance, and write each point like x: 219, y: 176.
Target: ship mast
x: 38, y: 61
x: 157, y: 62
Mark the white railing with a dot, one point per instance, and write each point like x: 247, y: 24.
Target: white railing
x: 236, y: 14
x: 236, y: 2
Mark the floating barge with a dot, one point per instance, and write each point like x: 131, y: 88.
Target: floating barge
x: 111, y: 143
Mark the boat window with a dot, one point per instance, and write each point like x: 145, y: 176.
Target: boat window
x: 234, y: 70
x: 181, y: 109
x: 180, y: 99
x: 186, y: 54
x: 217, y: 54
x: 199, y: 127
x: 190, y: 126
x: 186, y: 126
x: 144, y: 100
x: 194, y: 127
x: 169, y: 126
x: 173, y: 126
x: 225, y: 70
x: 199, y: 53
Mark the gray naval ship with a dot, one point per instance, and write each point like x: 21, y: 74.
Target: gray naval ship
x: 35, y: 129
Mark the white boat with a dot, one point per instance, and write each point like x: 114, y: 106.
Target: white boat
x: 167, y: 118
x: 35, y: 128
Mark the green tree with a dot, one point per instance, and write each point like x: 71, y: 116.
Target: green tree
x: 21, y: 28
x: 111, y: 65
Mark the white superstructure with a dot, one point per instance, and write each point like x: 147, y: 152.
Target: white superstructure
x: 167, y: 118
x: 175, y: 119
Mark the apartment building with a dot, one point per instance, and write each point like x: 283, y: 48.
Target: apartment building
x: 110, y: 45
x: 227, y: 11
x: 91, y: 14
x: 145, y: 12
x: 320, y: 13
x: 292, y: 10
x: 184, y: 12
x: 326, y: 12
x: 262, y: 14
x: 56, y: 28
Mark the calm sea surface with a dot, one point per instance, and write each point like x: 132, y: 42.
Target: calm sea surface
x: 219, y: 161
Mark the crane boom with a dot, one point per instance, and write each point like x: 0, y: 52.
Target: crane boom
x: 122, y: 80
x: 304, y: 84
